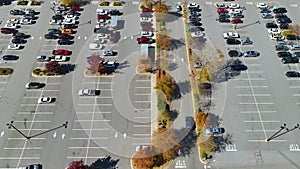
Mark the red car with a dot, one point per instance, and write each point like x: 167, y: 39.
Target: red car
x: 147, y: 28
x: 144, y: 39
x: 222, y: 10
x: 147, y: 10
x: 8, y: 31
x: 236, y: 20
x: 103, y: 16
x: 75, y: 8
x: 61, y: 52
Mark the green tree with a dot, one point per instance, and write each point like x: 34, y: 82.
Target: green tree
x: 69, y: 2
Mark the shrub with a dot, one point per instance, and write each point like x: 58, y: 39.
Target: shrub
x: 6, y: 71
x: 117, y: 4
x: 161, y: 103
x: 142, y: 6
x: 22, y: 3
x: 287, y: 33
x: 35, y: 3
x: 105, y: 3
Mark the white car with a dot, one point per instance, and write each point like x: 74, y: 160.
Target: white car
x: 102, y: 35
x: 100, y: 40
x: 274, y: 31
x: 44, y: 58
x: 261, y: 5
x: 14, y: 20
x: 55, y: 22
x: 276, y: 37
x: 26, y: 21
x: 71, y: 16
x: 95, y: 46
x: 145, y: 19
x: 197, y: 34
x: 43, y: 100
x: 230, y: 35
x: 295, y: 46
x: 147, y: 34
x: 193, y: 5
x: 233, y: 6
x: 221, y: 5
x: 60, y: 58
x: 60, y: 13
x: 235, y: 11
x: 103, y: 21
x: 69, y: 22
x: 102, y: 11
x: 13, y: 46
x: 11, y: 25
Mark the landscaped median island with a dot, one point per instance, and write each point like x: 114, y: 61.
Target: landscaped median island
x: 5, y: 71
x: 53, y: 68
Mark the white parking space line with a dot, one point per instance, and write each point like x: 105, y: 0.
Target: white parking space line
x: 90, y: 120
x: 105, y: 89
x: 81, y: 157
x: 253, y: 72
x: 92, y: 138
x: 22, y: 158
x: 96, y: 112
x: 3, y: 82
x: 297, y: 95
x: 294, y: 87
x: 249, y: 112
x: 143, y: 80
x: 255, y: 141
x: 142, y: 94
x: 141, y: 109
x: 87, y: 147
x: 253, y: 64
x: 139, y: 101
x: 251, y: 95
x: 37, y: 121
x: 260, y: 130
x: 53, y: 83
x: 141, y: 134
x: 50, y: 90
x: 31, y: 129
x: 101, y: 129
x: 141, y: 117
x: 138, y: 144
x: 141, y: 125
x: 141, y: 87
x: 262, y: 121
x: 251, y: 86
x: 27, y: 104
x: 258, y: 79
x: 30, y: 97
x: 257, y: 103
x: 20, y: 148
x: 290, y: 79
x: 97, y: 82
x: 97, y: 104
x: 35, y: 113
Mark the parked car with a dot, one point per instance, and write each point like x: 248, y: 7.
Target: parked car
x: 145, y: 40
x: 284, y: 20
x: 274, y: 31
x: 281, y: 48
x: 145, y: 19
x: 67, y: 31
x: 271, y: 25
x: 75, y: 8
x: 44, y: 100
x: 231, y: 35
x: 233, y: 41
x: 292, y: 74
x: 64, y: 42
x: 224, y: 15
x: 13, y: 46
x: 286, y: 60
x: 246, y: 41
x: 234, y: 53
x: 224, y: 20
x: 65, y: 36
x: 17, y: 12
x: 281, y: 15
x: 50, y: 36
x: 69, y: 22
x: 14, y: 20
x: 197, y: 34
x: 115, y: 12
x: 265, y: 10
x: 55, y: 22
x: 18, y: 41
x: 59, y: 58
x: 238, y: 67
x: 267, y: 16
x: 43, y: 58
x: 109, y: 53
x: 34, y: 85
x: 8, y: 31
x: 189, y: 122
x: 26, y: 21
x: 284, y: 26
x: 111, y: 64
x: 233, y: 6
x: 61, y: 52
x: 102, y: 35
x: 292, y: 37
x: 54, y: 31
x: 10, y: 57
x: 215, y: 130
x: 295, y: 46
x: 236, y: 21
x: 58, y: 17
x: 146, y: 34
x: 193, y: 5
x: 251, y: 53
x: 32, y: 166
x: 236, y: 15
x: 280, y: 10
x: 147, y: 10
x: 261, y: 5
x: 20, y: 35
x: 284, y: 54
x: 11, y: 26
x: 222, y: 10
x: 95, y: 46
x: 105, y: 17
x: 297, y: 54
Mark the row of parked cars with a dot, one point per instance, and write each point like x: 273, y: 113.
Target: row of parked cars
x: 231, y: 13
x: 194, y: 14
x: 146, y: 26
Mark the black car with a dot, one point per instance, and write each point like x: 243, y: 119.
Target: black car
x: 6, y: 2
x: 195, y: 24
x: 74, y: 13
x: 279, y: 10
x: 292, y: 74
x: 50, y: 36
x: 58, y: 17
x: 291, y: 37
x: 28, y: 16
x: 115, y: 12
x: 284, y: 54
x: 16, y: 12
x: 284, y: 20
x: 234, y: 53
x: 18, y: 41
x: 195, y: 10
x: 224, y: 20
x: 69, y: 26
x: 290, y: 60
x: 34, y: 85
x: 238, y: 67
x: 65, y: 36
x: 20, y: 35
x: 284, y: 26
x: 10, y: 57
x: 194, y: 19
x: 64, y: 42
x: 233, y: 41
x: 54, y: 31
x: 281, y: 15
x: 271, y: 25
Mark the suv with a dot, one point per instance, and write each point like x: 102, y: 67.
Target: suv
x: 17, y: 12
x: 294, y: 59
x: 189, y: 122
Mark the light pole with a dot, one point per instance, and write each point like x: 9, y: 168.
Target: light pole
x: 10, y: 125
x: 275, y: 135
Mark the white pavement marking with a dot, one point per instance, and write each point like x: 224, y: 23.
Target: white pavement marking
x: 27, y: 104
x: 261, y: 121
x: 294, y: 147
x: 87, y: 147
x: 17, y: 158
x: 251, y: 86
x: 208, y: 3
x: 294, y: 87
x: 255, y: 141
x: 85, y: 38
x: 297, y: 95
x: 96, y: 104
x: 142, y: 87
x: 142, y: 101
x: 22, y: 138
x: 40, y: 37
x: 78, y: 37
x: 143, y: 80
x: 32, y: 37
x: 180, y: 164
x: 98, y: 83
x: 41, y: 121
x: 90, y: 120
x: 251, y: 95
x: 270, y: 111
x: 260, y: 130
x: 141, y: 125
x: 254, y: 72
x: 141, y: 134
x: 294, y: 5
x: 34, y: 112
x: 2, y: 133
x: 249, y: 3
x: 93, y: 138
x: 142, y: 94
x: 230, y: 147
x: 63, y: 135
x: 258, y: 79
x: 141, y: 117
x: 20, y: 148
x: 81, y: 157
x: 93, y: 112
x: 124, y: 135
x: 54, y: 135
x: 257, y: 103
x: 101, y: 129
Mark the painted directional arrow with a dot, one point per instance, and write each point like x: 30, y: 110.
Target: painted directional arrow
x: 54, y: 135
x: 124, y: 135
x: 63, y: 136
x: 2, y: 133
x: 116, y: 135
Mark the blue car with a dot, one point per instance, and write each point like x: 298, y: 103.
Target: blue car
x: 246, y: 41
x: 267, y: 16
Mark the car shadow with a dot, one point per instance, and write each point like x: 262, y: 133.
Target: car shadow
x: 66, y: 68
x: 188, y: 140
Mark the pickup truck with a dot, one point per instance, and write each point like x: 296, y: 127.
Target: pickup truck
x: 88, y: 92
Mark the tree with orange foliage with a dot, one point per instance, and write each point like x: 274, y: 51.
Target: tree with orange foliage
x: 161, y: 11
x: 295, y: 28
x: 166, y: 83
x: 144, y: 158
x: 93, y: 61
x: 201, y: 120
x: 163, y: 40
